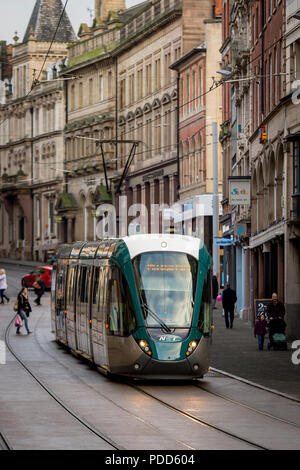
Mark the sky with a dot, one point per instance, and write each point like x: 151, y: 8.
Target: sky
x: 15, y: 15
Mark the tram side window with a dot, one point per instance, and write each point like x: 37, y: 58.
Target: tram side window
x: 121, y: 312
x: 60, y: 287
x: 70, y: 285
x: 204, y: 323
x: 96, y: 286
x: 82, y: 294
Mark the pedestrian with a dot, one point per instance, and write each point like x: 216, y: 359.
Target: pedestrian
x: 260, y: 330
x: 24, y: 308
x: 39, y: 289
x: 276, y: 308
x: 228, y: 300
x: 215, y: 287
x: 3, y: 286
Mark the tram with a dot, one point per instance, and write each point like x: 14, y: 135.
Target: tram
x: 138, y: 306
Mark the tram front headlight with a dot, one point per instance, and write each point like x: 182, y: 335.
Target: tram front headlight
x: 192, y: 346
x: 144, y: 345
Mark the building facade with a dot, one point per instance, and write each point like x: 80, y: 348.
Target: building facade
x: 259, y: 136
x: 123, y: 61
x: 200, y: 104
x: 31, y: 133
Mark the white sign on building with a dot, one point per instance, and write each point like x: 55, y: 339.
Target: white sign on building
x: 239, y: 190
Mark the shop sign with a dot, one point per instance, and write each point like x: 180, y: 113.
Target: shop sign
x: 223, y: 242
x: 239, y: 191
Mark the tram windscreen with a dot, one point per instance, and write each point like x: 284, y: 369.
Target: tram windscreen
x: 166, y: 283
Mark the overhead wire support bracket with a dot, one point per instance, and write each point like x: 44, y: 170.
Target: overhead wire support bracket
x: 135, y: 144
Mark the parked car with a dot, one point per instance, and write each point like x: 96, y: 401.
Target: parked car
x: 44, y: 271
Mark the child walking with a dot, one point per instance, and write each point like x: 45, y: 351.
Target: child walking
x: 260, y: 330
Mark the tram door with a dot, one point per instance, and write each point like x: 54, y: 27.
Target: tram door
x: 60, y: 290
x: 70, y: 305
x: 98, y: 335
x: 82, y: 308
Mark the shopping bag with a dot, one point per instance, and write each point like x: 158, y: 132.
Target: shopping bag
x: 18, y: 321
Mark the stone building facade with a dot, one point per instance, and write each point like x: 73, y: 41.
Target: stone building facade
x: 123, y: 61
x: 260, y: 139
x: 200, y: 106
x: 31, y: 136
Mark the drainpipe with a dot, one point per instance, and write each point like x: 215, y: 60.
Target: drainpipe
x: 262, y: 14
x: 32, y: 196
x: 67, y: 120
x: 178, y: 137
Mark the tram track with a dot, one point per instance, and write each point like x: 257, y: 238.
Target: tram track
x: 55, y: 397
x: 247, y: 407
x: 4, y: 442
x: 198, y: 420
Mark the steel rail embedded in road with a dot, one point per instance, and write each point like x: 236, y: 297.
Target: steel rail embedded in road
x: 247, y: 407
x: 255, y: 385
x: 198, y: 420
x: 4, y: 442
x: 82, y: 421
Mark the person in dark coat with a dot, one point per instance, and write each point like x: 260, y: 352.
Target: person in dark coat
x: 24, y: 308
x: 39, y: 290
x: 215, y: 287
x: 260, y: 330
x: 276, y: 308
x: 228, y: 300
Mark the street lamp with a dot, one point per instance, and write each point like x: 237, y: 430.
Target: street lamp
x: 297, y: 16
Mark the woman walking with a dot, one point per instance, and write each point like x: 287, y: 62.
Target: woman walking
x: 3, y: 286
x: 24, y: 308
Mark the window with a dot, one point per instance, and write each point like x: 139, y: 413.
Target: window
x: 296, y: 168
x: 275, y: 76
x: 167, y: 68
x: 166, y: 283
x: 200, y: 91
x: 109, y: 85
x: 72, y: 104
x: 194, y: 90
x: 101, y: 90
x: 51, y: 216
x: 121, y: 319
x: 90, y: 91
x: 157, y: 74
x: 270, y: 83
x: 80, y: 94
x: 140, y: 83
x: 131, y: 88
x: 148, y: 79
x: 188, y: 96
x: 204, y: 323
x: 82, y: 284
x: 122, y: 93
x: 38, y: 218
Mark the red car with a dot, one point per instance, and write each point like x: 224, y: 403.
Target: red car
x: 44, y: 271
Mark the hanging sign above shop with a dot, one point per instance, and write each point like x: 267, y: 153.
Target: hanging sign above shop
x: 239, y: 190
x: 224, y: 241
